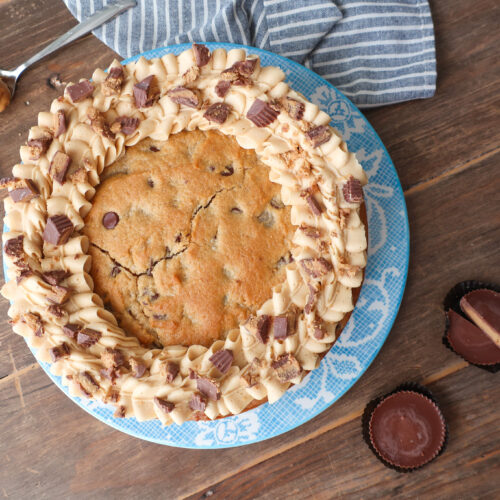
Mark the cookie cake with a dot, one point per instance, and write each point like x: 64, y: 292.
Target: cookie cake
x: 186, y: 236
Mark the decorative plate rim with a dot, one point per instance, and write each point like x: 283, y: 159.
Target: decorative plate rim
x: 118, y: 423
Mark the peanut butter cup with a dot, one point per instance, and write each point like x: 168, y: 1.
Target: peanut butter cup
x: 405, y: 428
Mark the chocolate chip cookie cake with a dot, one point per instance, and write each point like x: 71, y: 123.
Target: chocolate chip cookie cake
x: 186, y: 236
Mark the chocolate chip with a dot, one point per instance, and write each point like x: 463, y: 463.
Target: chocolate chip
x: 164, y: 405
x: 266, y: 218
x: 114, y: 81
x: 316, y: 268
x: 197, y: 402
x: 293, y: 107
x: 208, y: 387
x: 80, y: 91
x: 286, y: 367
x: 59, y: 123
x: 39, y: 146
x: 14, y: 246
x: 258, y: 326
x: 71, y: 330
x: 280, y: 327
x: 112, y: 358
x: 184, y: 96
x: 314, y: 205
x: 151, y: 183
x: 110, y: 220
x: 59, y: 351
x: 146, y: 92
x: 245, y: 68
x: 154, y: 149
x: 57, y: 230
x: 352, y: 191
x: 201, y: 54
x: 169, y: 370
x: 138, y: 368
x: 319, y: 135
x: 236, y: 210
x: 222, y: 360
x: 54, y: 277
x: 222, y: 88
x: 217, y: 112
x: 228, y: 170
x: 178, y: 238
x: 87, y: 337
x: 261, y: 113
x: 59, y: 166
x: 23, y: 190
x: 125, y: 124
x: 115, y: 271
x: 277, y: 203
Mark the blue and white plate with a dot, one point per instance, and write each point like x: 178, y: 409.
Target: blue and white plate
x: 372, y: 319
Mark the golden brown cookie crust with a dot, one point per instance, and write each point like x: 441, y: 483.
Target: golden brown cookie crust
x: 202, y: 238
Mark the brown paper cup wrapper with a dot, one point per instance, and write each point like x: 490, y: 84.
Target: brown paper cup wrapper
x: 370, y: 408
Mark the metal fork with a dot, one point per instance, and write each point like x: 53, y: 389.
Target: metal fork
x: 92, y: 22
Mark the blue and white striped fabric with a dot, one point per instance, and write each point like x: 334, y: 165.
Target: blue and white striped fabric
x: 376, y: 52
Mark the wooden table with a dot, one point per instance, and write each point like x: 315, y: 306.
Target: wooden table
x: 447, y: 152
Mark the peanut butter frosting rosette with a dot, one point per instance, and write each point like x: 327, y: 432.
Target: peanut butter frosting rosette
x: 51, y: 290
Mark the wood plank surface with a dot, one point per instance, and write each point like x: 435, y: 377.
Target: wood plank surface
x: 447, y: 151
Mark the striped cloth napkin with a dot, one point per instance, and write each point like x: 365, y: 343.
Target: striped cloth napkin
x: 376, y: 52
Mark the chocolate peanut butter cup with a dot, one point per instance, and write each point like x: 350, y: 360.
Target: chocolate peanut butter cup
x: 405, y: 429
x: 464, y: 334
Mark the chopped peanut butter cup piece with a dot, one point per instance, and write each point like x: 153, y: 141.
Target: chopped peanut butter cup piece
x: 59, y: 123
x: 314, y: 205
x: 261, y: 113
x: 14, y: 246
x: 250, y: 376
x: 138, y: 368
x: 352, y: 191
x: 312, y: 298
x: 35, y: 323
x: 120, y: 412
x: 284, y: 325
x: 201, y: 54
x: 20, y: 190
x: 316, y: 268
x: 222, y: 360
x: 217, y: 112
x: 86, y: 383
x: 113, y: 82
x: 294, y: 108
x: 39, y: 146
x: 71, y: 330
x: 169, y: 370
x: 319, y: 135
x: 185, y: 97
x: 87, y: 337
x: 98, y: 123
x: 59, y: 167
x: 258, y: 326
x: 80, y: 91
x: 127, y: 125
x: 58, y: 294
x: 59, y: 351
x: 146, y: 92
x: 197, y: 402
x: 286, y: 367
x: 319, y: 329
x: 164, y: 405
x: 311, y: 232
x: 57, y: 230
x: 208, y: 387
x: 222, y: 88
x: 79, y: 175
x: 112, y: 358
x: 246, y: 67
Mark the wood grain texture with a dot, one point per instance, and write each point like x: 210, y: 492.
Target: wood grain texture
x: 447, y: 152
x: 339, y: 464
